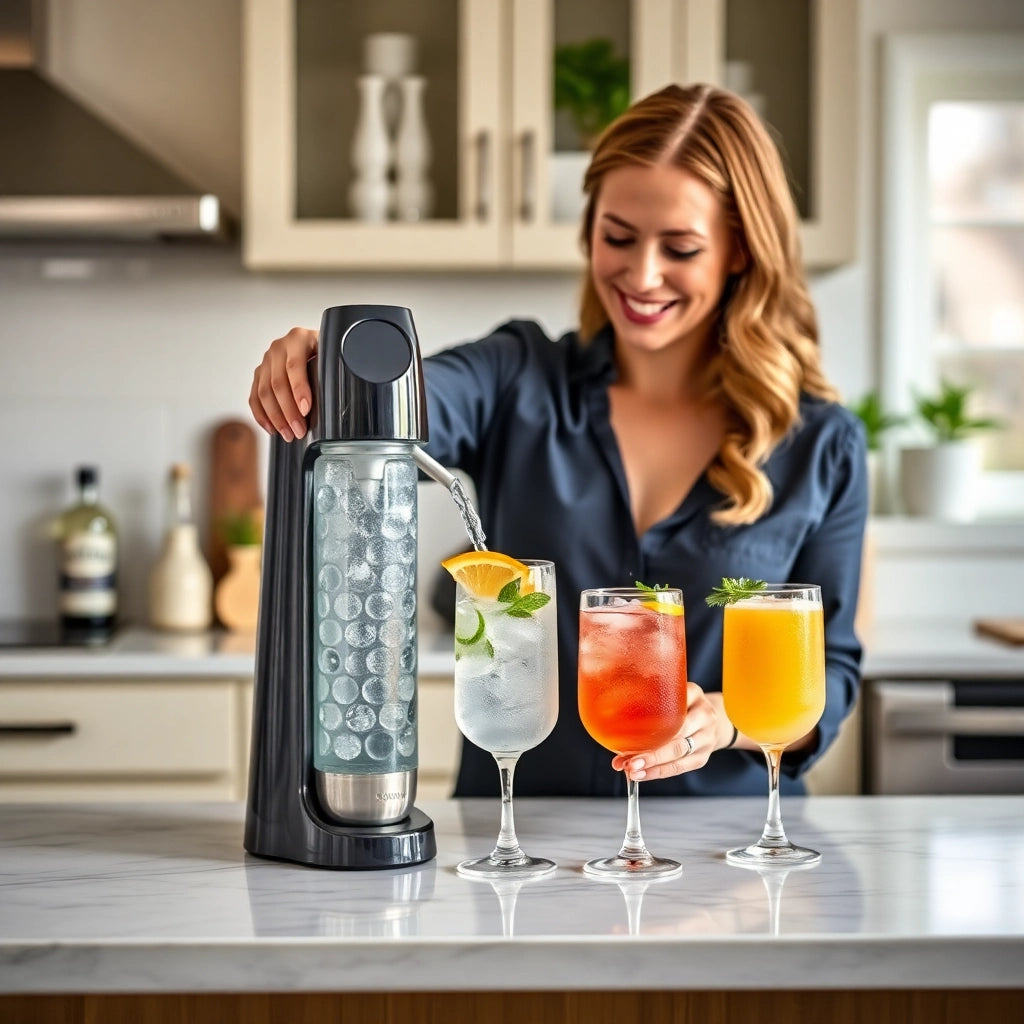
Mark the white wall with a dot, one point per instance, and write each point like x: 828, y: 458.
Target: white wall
x: 128, y: 357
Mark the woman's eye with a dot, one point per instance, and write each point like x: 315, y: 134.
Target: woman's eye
x: 679, y: 254
x: 617, y: 242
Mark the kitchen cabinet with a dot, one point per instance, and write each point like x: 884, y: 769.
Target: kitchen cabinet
x: 439, y: 738
x: 494, y: 138
x: 124, y: 739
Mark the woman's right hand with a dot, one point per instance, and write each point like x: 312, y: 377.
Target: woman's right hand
x: 280, y: 397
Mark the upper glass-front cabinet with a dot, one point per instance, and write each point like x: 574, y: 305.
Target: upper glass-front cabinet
x: 403, y: 134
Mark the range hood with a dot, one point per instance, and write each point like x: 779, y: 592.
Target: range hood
x: 65, y: 173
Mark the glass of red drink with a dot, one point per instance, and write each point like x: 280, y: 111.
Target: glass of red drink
x: 632, y: 695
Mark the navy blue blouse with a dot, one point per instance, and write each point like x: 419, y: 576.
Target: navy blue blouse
x: 528, y: 419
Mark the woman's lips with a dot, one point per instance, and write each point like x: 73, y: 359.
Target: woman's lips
x: 641, y: 312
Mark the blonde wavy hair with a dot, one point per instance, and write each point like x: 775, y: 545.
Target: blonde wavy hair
x: 768, y: 334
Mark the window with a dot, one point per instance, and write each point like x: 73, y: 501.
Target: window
x: 953, y: 234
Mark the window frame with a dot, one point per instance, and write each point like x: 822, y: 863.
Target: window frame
x: 918, y: 70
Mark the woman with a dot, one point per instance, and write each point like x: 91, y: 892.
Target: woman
x: 684, y: 433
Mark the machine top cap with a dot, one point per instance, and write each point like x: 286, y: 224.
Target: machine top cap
x: 369, y: 377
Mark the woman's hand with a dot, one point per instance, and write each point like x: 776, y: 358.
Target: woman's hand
x: 707, y: 728
x: 280, y: 397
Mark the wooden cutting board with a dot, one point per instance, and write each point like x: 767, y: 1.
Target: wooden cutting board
x: 234, y: 483
x: 1009, y: 630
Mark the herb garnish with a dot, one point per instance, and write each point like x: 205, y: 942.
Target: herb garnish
x: 651, y: 590
x: 732, y: 590
x: 520, y: 606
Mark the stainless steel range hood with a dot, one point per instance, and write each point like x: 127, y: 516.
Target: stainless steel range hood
x: 67, y: 174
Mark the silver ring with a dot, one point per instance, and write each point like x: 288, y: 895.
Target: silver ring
x: 689, y: 745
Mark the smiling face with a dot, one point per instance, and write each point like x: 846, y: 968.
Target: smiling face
x: 661, y: 253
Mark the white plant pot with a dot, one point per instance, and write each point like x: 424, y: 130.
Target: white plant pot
x: 567, y: 199
x: 941, y: 481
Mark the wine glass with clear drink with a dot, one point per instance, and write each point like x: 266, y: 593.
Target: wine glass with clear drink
x: 506, y: 680
x: 773, y: 685
x: 632, y: 696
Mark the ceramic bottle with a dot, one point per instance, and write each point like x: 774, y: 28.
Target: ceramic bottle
x: 181, y: 583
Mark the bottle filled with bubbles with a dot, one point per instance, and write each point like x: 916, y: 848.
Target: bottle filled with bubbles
x: 363, y: 653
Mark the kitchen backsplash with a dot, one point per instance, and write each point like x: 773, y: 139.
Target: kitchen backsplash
x: 127, y: 357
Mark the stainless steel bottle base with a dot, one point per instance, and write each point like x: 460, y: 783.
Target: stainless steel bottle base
x: 366, y: 799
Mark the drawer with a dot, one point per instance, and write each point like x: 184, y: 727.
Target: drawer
x: 147, y: 727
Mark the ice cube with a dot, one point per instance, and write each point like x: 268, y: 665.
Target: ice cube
x: 379, y: 605
x: 394, y: 526
x: 393, y: 633
x: 381, y: 661
x: 375, y: 691
x: 392, y: 716
x: 326, y: 499
x: 406, y: 686
x: 360, y: 718
x: 330, y: 579
x: 345, y: 689
x: 361, y: 576
x: 329, y: 660
x: 380, y: 745
x: 360, y: 634
x: 395, y: 578
x: 330, y: 716
x: 347, y: 606
x: 407, y: 741
x: 347, y: 746
x: 329, y: 632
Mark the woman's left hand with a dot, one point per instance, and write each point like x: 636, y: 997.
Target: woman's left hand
x: 706, y: 730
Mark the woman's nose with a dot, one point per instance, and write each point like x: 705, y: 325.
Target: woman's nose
x: 646, y: 269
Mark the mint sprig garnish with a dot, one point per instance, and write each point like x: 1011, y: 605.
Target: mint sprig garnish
x: 520, y: 606
x: 650, y: 590
x: 730, y: 591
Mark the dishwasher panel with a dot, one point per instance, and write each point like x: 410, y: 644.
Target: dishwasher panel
x: 944, y: 736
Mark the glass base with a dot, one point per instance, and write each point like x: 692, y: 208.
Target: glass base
x: 493, y: 869
x: 623, y: 867
x: 758, y: 856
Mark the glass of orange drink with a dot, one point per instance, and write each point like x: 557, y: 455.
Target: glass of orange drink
x: 632, y: 696
x: 773, y: 685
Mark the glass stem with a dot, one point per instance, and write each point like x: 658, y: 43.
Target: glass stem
x: 773, y: 834
x: 633, y: 847
x: 507, y: 849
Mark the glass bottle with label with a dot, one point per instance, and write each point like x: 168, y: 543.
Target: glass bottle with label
x: 181, y: 583
x: 87, y: 598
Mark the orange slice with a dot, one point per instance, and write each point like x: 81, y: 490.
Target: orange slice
x: 664, y: 607
x: 484, y: 573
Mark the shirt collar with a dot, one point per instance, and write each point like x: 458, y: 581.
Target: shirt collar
x: 596, y: 358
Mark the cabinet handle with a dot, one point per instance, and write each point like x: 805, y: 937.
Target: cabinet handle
x: 37, y: 728
x: 527, y: 154
x: 482, y: 208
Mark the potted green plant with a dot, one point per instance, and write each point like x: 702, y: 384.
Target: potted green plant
x: 939, y: 479
x: 876, y: 422
x: 591, y: 84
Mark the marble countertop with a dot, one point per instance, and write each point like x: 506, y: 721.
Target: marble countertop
x: 911, y: 893
x: 893, y: 649
x: 146, y: 653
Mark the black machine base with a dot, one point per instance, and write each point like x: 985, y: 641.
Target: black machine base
x: 349, y: 847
